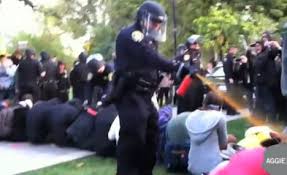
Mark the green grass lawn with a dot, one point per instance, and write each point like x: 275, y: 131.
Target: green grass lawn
x: 99, y: 166
x: 88, y: 166
x: 238, y: 128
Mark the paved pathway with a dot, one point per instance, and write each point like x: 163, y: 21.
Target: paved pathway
x: 17, y: 158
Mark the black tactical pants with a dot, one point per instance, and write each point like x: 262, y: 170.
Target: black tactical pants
x: 137, y: 146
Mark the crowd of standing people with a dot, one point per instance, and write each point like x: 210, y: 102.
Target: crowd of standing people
x: 47, y: 78
x: 22, y: 73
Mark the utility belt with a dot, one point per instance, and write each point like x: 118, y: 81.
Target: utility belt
x: 145, y: 86
x: 123, y: 82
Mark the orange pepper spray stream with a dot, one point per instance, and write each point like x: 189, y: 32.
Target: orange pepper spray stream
x: 256, y: 121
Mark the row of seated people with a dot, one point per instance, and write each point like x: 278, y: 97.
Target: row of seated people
x: 191, y: 141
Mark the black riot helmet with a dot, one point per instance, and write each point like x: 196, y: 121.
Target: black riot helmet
x: 193, y: 39
x: 152, y: 19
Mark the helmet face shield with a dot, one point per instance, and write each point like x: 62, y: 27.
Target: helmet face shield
x: 154, y: 27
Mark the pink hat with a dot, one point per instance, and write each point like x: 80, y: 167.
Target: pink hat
x: 247, y: 162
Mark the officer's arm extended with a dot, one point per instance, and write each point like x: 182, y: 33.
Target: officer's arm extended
x: 148, y: 56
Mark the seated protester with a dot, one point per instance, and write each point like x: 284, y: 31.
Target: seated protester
x: 208, y: 135
x: 250, y: 161
x: 36, y: 122
x: 247, y: 162
x: 215, y: 102
x: 90, y: 130
x: 177, y: 143
x: 13, y: 121
x: 59, y: 118
x: 176, y: 132
x: 51, y: 122
x: 255, y: 136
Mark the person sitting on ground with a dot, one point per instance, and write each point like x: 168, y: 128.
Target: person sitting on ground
x: 250, y: 161
x: 208, y: 136
x: 177, y: 144
x: 247, y: 162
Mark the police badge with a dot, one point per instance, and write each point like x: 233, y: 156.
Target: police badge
x: 137, y: 36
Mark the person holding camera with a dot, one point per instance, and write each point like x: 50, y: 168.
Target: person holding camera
x: 265, y: 78
x: 193, y: 97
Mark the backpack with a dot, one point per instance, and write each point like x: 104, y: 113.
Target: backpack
x: 6, y: 122
x: 13, y: 123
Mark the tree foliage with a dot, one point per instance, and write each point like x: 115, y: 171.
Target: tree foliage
x: 221, y: 22
x: 45, y: 42
x: 223, y: 27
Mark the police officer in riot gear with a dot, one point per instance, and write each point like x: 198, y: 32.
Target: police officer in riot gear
x: 28, y: 73
x: 136, y: 74
x: 193, y: 98
x: 101, y: 74
x: 79, y: 77
x: 190, y: 52
x: 48, y: 82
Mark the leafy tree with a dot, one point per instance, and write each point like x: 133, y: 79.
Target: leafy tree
x: 274, y: 9
x: 45, y: 42
x: 222, y: 27
x: 102, y: 19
